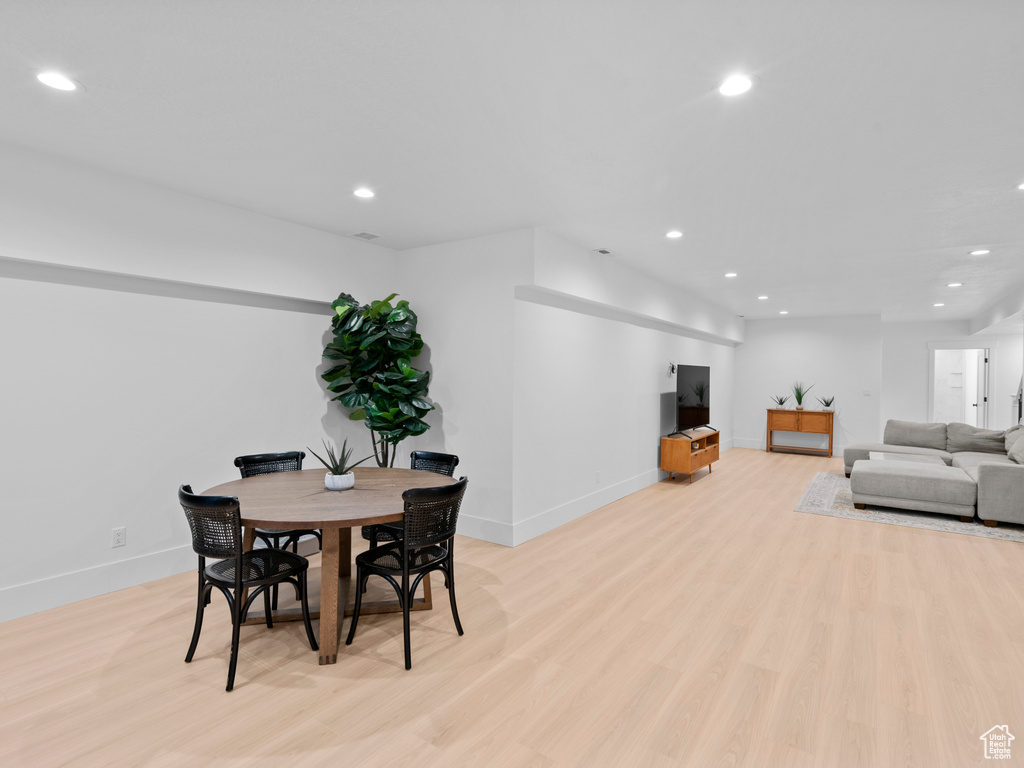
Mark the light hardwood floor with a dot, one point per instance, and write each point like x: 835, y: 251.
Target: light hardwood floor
x: 701, y: 625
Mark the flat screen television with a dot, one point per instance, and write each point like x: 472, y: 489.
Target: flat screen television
x: 693, y: 397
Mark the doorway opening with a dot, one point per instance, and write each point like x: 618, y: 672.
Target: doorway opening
x: 959, y: 385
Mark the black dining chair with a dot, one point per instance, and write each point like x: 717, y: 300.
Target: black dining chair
x: 431, y: 515
x: 441, y: 463
x: 216, y: 527
x: 265, y: 464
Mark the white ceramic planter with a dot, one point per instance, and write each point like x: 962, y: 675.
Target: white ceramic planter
x: 339, y: 482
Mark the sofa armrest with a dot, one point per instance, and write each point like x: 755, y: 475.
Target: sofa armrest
x: 1001, y: 492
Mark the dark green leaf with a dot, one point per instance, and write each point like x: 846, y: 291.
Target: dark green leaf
x: 335, y: 372
x: 371, y: 339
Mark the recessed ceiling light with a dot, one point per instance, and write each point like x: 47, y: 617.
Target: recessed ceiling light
x: 938, y: 305
x: 57, y: 80
x: 953, y: 285
x: 783, y: 312
x: 762, y: 298
x: 981, y: 252
x: 734, y: 85
x: 363, y: 192
x: 730, y: 274
x: 675, y: 233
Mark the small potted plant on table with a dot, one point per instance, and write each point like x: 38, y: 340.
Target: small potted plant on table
x: 780, y: 400
x: 339, y: 475
x: 826, y: 402
x: 799, y: 393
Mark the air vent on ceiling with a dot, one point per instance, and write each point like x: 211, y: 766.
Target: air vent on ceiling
x: 604, y: 251
x: 365, y: 235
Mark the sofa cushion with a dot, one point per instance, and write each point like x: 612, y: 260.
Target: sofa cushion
x: 1017, y: 454
x: 964, y: 437
x: 968, y: 459
x: 915, y: 433
x: 1013, y: 434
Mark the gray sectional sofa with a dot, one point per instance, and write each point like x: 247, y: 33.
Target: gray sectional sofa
x: 953, y: 469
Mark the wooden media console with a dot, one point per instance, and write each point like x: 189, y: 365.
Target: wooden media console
x: 686, y: 454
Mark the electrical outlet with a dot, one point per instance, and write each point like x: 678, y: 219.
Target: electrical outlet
x: 867, y: 393
x: 118, y: 536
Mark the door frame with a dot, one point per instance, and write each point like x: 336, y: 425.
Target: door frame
x: 989, y: 345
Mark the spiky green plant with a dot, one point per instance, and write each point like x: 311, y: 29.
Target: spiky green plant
x: 780, y: 400
x: 338, y: 463
x: 800, y: 392
x: 826, y: 402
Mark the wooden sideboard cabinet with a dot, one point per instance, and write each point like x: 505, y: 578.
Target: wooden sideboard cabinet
x: 686, y: 455
x: 814, y: 422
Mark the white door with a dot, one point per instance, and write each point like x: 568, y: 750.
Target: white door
x: 960, y: 386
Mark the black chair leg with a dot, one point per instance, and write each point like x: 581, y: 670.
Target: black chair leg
x: 450, y: 573
x: 305, y: 612
x: 361, y: 578
x: 266, y: 607
x: 274, y: 542
x: 236, y: 627
x: 204, y: 598
x: 406, y: 600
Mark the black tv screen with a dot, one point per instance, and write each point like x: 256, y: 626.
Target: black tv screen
x: 693, y: 396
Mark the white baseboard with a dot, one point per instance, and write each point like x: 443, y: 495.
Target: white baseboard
x: 564, y: 513
x: 34, y: 596
x: 756, y: 443
x: 485, y: 530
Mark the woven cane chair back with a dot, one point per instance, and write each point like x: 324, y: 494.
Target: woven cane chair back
x: 441, y: 463
x: 268, y: 463
x: 431, y: 514
x: 215, y: 523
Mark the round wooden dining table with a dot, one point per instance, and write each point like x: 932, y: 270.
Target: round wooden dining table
x: 300, y: 500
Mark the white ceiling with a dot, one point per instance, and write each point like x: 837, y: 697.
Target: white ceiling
x: 883, y: 140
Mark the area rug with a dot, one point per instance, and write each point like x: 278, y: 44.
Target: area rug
x: 829, y: 494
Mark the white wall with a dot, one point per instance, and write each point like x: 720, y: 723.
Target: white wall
x: 538, y: 399
x: 840, y: 356
x: 592, y: 399
x: 905, y: 356
x: 462, y: 293
x: 113, y: 398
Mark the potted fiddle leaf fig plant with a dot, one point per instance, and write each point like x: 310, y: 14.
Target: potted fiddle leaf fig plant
x: 374, y: 345
x: 340, y: 476
x: 800, y: 391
